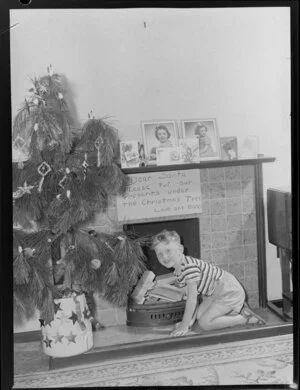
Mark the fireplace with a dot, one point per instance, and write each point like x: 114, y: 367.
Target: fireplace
x: 159, y: 314
x: 231, y: 226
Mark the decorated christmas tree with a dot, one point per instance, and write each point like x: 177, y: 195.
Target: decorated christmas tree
x: 62, y: 176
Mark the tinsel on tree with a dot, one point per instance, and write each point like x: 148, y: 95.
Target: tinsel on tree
x: 61, y: 178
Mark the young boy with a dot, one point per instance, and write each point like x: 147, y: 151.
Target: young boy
x: 223, y: 303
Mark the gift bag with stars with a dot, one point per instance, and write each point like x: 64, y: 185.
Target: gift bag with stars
x: 70, y: 331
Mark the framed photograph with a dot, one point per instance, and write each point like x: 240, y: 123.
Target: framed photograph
x: 168, y: 156
x: 129, y: 151
x: 206, y: 131
x: 229, y: 148
x: 142, y: 154
x: 161, y: 134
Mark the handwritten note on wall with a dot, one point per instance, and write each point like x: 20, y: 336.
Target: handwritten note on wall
x: 160, y: 194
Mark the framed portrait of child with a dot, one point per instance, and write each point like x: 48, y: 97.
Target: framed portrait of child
x: 206, y: 131
x: 158, y: 134
x: 229, y: 148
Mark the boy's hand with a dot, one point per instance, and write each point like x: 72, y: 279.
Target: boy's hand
x: 179, y: 330
x: 177, y: 324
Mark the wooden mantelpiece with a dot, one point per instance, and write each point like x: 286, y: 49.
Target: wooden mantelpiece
x: 201, y: 165
x: 259, y: 204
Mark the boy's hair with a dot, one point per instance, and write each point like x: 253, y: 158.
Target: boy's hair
x: 198, y: 127
x: 161, y: 127
x: 165, y: 237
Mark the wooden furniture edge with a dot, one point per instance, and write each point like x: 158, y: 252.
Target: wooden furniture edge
x: 201, y: 165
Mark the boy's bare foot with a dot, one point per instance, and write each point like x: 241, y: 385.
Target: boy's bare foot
x: 250, y: 317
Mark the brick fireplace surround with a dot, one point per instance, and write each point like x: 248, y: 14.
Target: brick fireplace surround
x: 232, y: 233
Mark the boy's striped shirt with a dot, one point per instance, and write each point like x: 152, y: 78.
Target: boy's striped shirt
x: 203, y: 273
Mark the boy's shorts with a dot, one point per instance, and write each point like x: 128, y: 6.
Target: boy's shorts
x: 228, y: 292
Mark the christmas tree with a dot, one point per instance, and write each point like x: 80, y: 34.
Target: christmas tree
x: 62, y: 176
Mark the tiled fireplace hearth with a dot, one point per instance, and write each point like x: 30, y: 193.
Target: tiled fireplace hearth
x: 231, y: 227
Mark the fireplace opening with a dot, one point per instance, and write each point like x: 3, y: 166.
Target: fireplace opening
x: 162, y: 313
x: 188, y: 229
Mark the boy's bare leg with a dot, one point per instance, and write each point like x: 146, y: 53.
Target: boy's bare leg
x: 199, y: 310
x: 216, y: 317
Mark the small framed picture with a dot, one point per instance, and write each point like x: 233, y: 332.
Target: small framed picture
x: 189, y: 150
x: 129, y: 151
x: 161, y: 134
x: 142, y: 154
x: 168, y: 156
x: 229, y: 148
x: 206, y: 131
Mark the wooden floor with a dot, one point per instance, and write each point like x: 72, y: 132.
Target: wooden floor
x: 122, y: 341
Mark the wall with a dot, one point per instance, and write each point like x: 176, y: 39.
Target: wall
x: 143, y: 64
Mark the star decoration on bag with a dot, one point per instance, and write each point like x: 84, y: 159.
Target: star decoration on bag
x: 58, y: 337
x: 57, y: 307
x: 73, y: 317
x: 48, y: 321
x: 71, y: 338
x: 47, y: 342
x: 86, y: 313
x: 42, y: 322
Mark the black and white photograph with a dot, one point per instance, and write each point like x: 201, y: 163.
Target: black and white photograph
x: 206, y: 131
x: 138, y: 258
x: 229, y: 148
x: 158, y: 135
